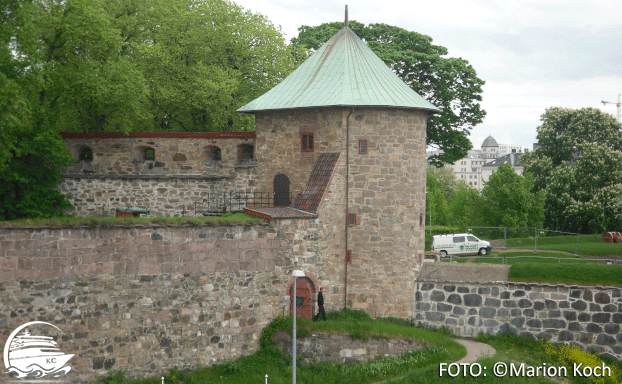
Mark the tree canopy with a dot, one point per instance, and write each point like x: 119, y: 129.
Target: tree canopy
x: 508, y: 200
x: 449, y: 83
x: 121, y: 66
x: 577, y: 166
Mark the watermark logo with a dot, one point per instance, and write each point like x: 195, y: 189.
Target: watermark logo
x: 26, y: 355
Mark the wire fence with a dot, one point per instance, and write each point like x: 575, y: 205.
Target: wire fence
x: 217, y: 204
x: 539, y: 239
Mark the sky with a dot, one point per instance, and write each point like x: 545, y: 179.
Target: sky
x: 533, y: 55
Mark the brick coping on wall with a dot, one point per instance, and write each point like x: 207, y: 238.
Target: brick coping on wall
x: 158, y: 135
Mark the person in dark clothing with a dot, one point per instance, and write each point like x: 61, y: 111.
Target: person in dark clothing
x: 320, y: 306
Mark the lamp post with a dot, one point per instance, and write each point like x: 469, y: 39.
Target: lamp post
x: 296, y: 273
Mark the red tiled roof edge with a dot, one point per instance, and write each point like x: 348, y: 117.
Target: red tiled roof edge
x: 258, y: 214
x: 158, y: 135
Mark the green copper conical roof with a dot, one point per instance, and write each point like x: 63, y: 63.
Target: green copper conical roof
x: 343, y: 72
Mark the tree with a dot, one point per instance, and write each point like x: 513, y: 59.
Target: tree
x: 208, y: 58
x: 508, y: 200
x: 577, y: 166
x: 449, y: 83
x: 123, y: 66
x: 31, y: 152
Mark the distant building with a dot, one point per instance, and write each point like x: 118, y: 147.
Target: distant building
x: 511, y: 158
x: 475, y: 169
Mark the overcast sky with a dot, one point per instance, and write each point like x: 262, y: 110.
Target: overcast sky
x: 531, y: 54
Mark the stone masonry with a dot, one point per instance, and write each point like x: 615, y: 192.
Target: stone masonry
x: 385, y: 188
x: 589, y: 317
x: 342, y: 348
x: 146, y: 299
x: 185, y: 169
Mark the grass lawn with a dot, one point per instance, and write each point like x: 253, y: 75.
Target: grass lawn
x: 548, y: 269
x: 567, y: 273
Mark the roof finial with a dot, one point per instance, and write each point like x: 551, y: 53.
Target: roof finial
x: 346, y: 24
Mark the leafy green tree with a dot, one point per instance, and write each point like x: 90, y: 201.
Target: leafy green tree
x: 208, y: 58
x: 449, y: 83
x: 465, y: 206
x: 577, y: 166
x: 123, y: 66
x: 31, y: 152
x: 508, y: 200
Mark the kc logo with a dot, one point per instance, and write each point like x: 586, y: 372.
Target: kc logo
x: 30, y: 356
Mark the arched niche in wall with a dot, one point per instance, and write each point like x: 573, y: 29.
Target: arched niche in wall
x: 212, y: 156
x: 246, y: 154
x: 281, y: 190
x: 143, y: 153
x: 83, y: 156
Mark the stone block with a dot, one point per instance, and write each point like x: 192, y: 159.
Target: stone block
x: 602, y: 298
x: 437, y: 296
x: 490, y: 302
x: 579, y: 305
x: 601, y: 318
x: 487, y: 313
x: 565, y: 336
x: 472, y: 300
x: 454, y: 299
x: 603, y: 339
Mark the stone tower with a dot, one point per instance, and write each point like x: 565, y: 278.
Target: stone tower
x: 345, y: 101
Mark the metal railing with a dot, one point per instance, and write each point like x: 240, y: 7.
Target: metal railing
x: 217, y: 204
x: 539, y: 239
x: 564, y: 259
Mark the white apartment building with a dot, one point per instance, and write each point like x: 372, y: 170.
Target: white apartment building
x: 479, y: 164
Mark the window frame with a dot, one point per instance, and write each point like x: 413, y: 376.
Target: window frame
x: 305, y: 140
x: 363, y: 143
x: 352, y: 220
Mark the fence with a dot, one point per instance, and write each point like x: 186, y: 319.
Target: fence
x: 216, y: 204
x: 538, y: 239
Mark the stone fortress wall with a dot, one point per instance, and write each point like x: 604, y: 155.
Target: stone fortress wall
x: 165, y: 173
x: 589, y: 317
x: 147, y: 298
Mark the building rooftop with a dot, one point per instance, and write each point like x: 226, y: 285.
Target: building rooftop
x: 511, y: 158
x: 490, y: 142
x: 343, y: 72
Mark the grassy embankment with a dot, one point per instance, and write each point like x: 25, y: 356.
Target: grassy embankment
x: 94, y: 222
x: 438, y: 348
x: 422, y: 366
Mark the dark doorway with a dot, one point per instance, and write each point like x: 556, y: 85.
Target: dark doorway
x: 281, y: 191
x: 304, y: 300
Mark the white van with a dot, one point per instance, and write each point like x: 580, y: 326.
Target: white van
x: 459, y: 244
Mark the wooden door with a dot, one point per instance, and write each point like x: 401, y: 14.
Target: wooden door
x: 304, y: 299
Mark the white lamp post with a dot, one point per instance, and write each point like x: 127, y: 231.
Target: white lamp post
x: 296, y: 273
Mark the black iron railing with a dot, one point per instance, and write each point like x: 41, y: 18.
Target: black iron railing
x: 216, y: 204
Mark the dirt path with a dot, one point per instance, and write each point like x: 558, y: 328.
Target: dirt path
x: 475, y: 350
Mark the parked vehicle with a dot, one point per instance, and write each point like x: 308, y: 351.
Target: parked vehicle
x: 460, y: 244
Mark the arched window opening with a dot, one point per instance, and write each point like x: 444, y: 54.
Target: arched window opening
x: 84, y: 153
x: 213, y: 153
x: 246, y: 153
x: 142, y: 154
